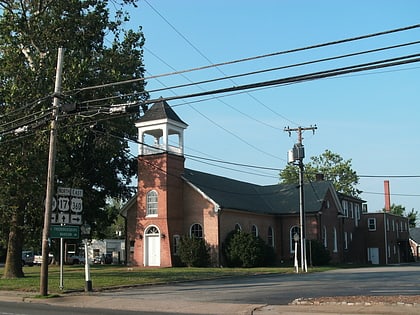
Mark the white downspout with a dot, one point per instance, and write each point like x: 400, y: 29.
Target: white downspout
x: 386, y: 241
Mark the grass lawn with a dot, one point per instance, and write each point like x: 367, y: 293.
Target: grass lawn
x: 108, y: 276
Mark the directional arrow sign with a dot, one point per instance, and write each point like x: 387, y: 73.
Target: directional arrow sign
x: 76, y: 219
x: 64, y: 231
x: 63, y: 218
x: 54, y: 217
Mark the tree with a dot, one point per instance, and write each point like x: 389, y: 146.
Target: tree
x: 114, y: 227
x: 92, y: 151
x: 332, y: 166
x: 412, y: 218
x: 396, y: 209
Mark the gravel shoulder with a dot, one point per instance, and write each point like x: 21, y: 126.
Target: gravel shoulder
x: 362, y: 300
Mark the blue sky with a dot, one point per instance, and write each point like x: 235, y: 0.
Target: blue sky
x: 369, y: 117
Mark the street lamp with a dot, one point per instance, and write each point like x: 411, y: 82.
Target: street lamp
x: 296, y: 239
x: 85, y: 231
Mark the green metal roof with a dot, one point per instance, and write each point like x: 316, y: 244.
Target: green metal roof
x: 273, y: 199
x: 160, y: 110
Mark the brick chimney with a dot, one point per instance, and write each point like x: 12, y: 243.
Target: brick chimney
x: 387, y: 196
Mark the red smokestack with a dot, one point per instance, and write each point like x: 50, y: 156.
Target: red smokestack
x: 387, y: 196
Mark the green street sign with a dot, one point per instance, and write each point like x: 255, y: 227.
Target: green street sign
x: 64, y: 231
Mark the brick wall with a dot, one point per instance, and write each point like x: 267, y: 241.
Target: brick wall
x: 160, y: 172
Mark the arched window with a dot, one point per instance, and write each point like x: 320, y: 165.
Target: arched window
x: 324, y: 236
x: 293, y: 230
x: 152, y: 203
x: 238, y: 227
x: 153, y: 230
x: 270, y: 236
x: 196, y: 231
x: 254, y: 230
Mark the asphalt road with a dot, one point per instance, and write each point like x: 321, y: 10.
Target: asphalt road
x: 282, y: 289
x: 229, y: 295
x: 13, y: 308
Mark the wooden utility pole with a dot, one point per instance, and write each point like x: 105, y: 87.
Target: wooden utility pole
x: 298, y: 154
x: 50, y: 176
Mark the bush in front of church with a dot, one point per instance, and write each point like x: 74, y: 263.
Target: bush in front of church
x: 194, y: 252
x: 246, y: 250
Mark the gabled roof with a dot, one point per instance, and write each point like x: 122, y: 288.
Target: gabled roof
x: 160, y: 110
x: 415, y: 235
x: 273, y: 199
x: 130, y: 203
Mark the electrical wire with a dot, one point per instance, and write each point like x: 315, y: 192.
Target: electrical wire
x: 218, y: 68
x: 402, y: 60
x: 197, y: 83
x: 248, y: 59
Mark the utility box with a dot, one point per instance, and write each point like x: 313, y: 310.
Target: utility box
x: 297, y: 153
x: 290, y: 156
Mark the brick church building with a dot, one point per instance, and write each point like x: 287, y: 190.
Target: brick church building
x: 173, y: 201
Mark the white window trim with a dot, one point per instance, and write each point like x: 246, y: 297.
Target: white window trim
x: 374, y: 223
x: 256, y: 230
x: 152, y: 215
x: 335, y: 250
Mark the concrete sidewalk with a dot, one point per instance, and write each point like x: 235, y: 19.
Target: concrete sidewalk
x: 96, y: 300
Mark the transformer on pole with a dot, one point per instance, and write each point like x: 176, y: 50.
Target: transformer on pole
x: 295, y: 156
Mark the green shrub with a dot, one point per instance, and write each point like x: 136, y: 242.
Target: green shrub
x: 194, y: 252
x: 320, y: 255
x: 245, y: 250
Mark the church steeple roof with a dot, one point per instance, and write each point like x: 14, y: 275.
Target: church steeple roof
x: 160, y: 110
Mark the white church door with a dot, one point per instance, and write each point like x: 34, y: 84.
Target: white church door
x: 152, y: 247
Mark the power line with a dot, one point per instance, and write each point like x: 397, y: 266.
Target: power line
x: 218, y: 68
x: 308, y: 77
x: 379, y: 64
x: 250, y: 58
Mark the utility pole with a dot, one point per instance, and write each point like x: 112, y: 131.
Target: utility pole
x: 50, y: 176
x: 296, y: 155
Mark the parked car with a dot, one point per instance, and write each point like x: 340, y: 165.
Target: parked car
x: 38, y: 259
x: 27, y: 258
x: 97, y: 260
x: 103, y: 259
x: 75, y: 259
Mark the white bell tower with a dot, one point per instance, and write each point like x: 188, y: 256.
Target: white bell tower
x: 161, y: 130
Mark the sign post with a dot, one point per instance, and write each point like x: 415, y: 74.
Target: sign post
x: 69, y: 204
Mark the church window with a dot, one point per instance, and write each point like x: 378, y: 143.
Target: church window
x: 196, y: 231
x: 270, y: 236
x: 152, y: 203
x: 254, y: 230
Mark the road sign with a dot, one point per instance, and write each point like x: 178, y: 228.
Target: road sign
x: 76, y: 192
x: 54, y: 217
x: 76, y: 219
x: 76, y: 205
x: 63, y: 204
x: 63, y: 218
x: 64, y: 231
x: 54, y: 204
x: 63, y: 191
